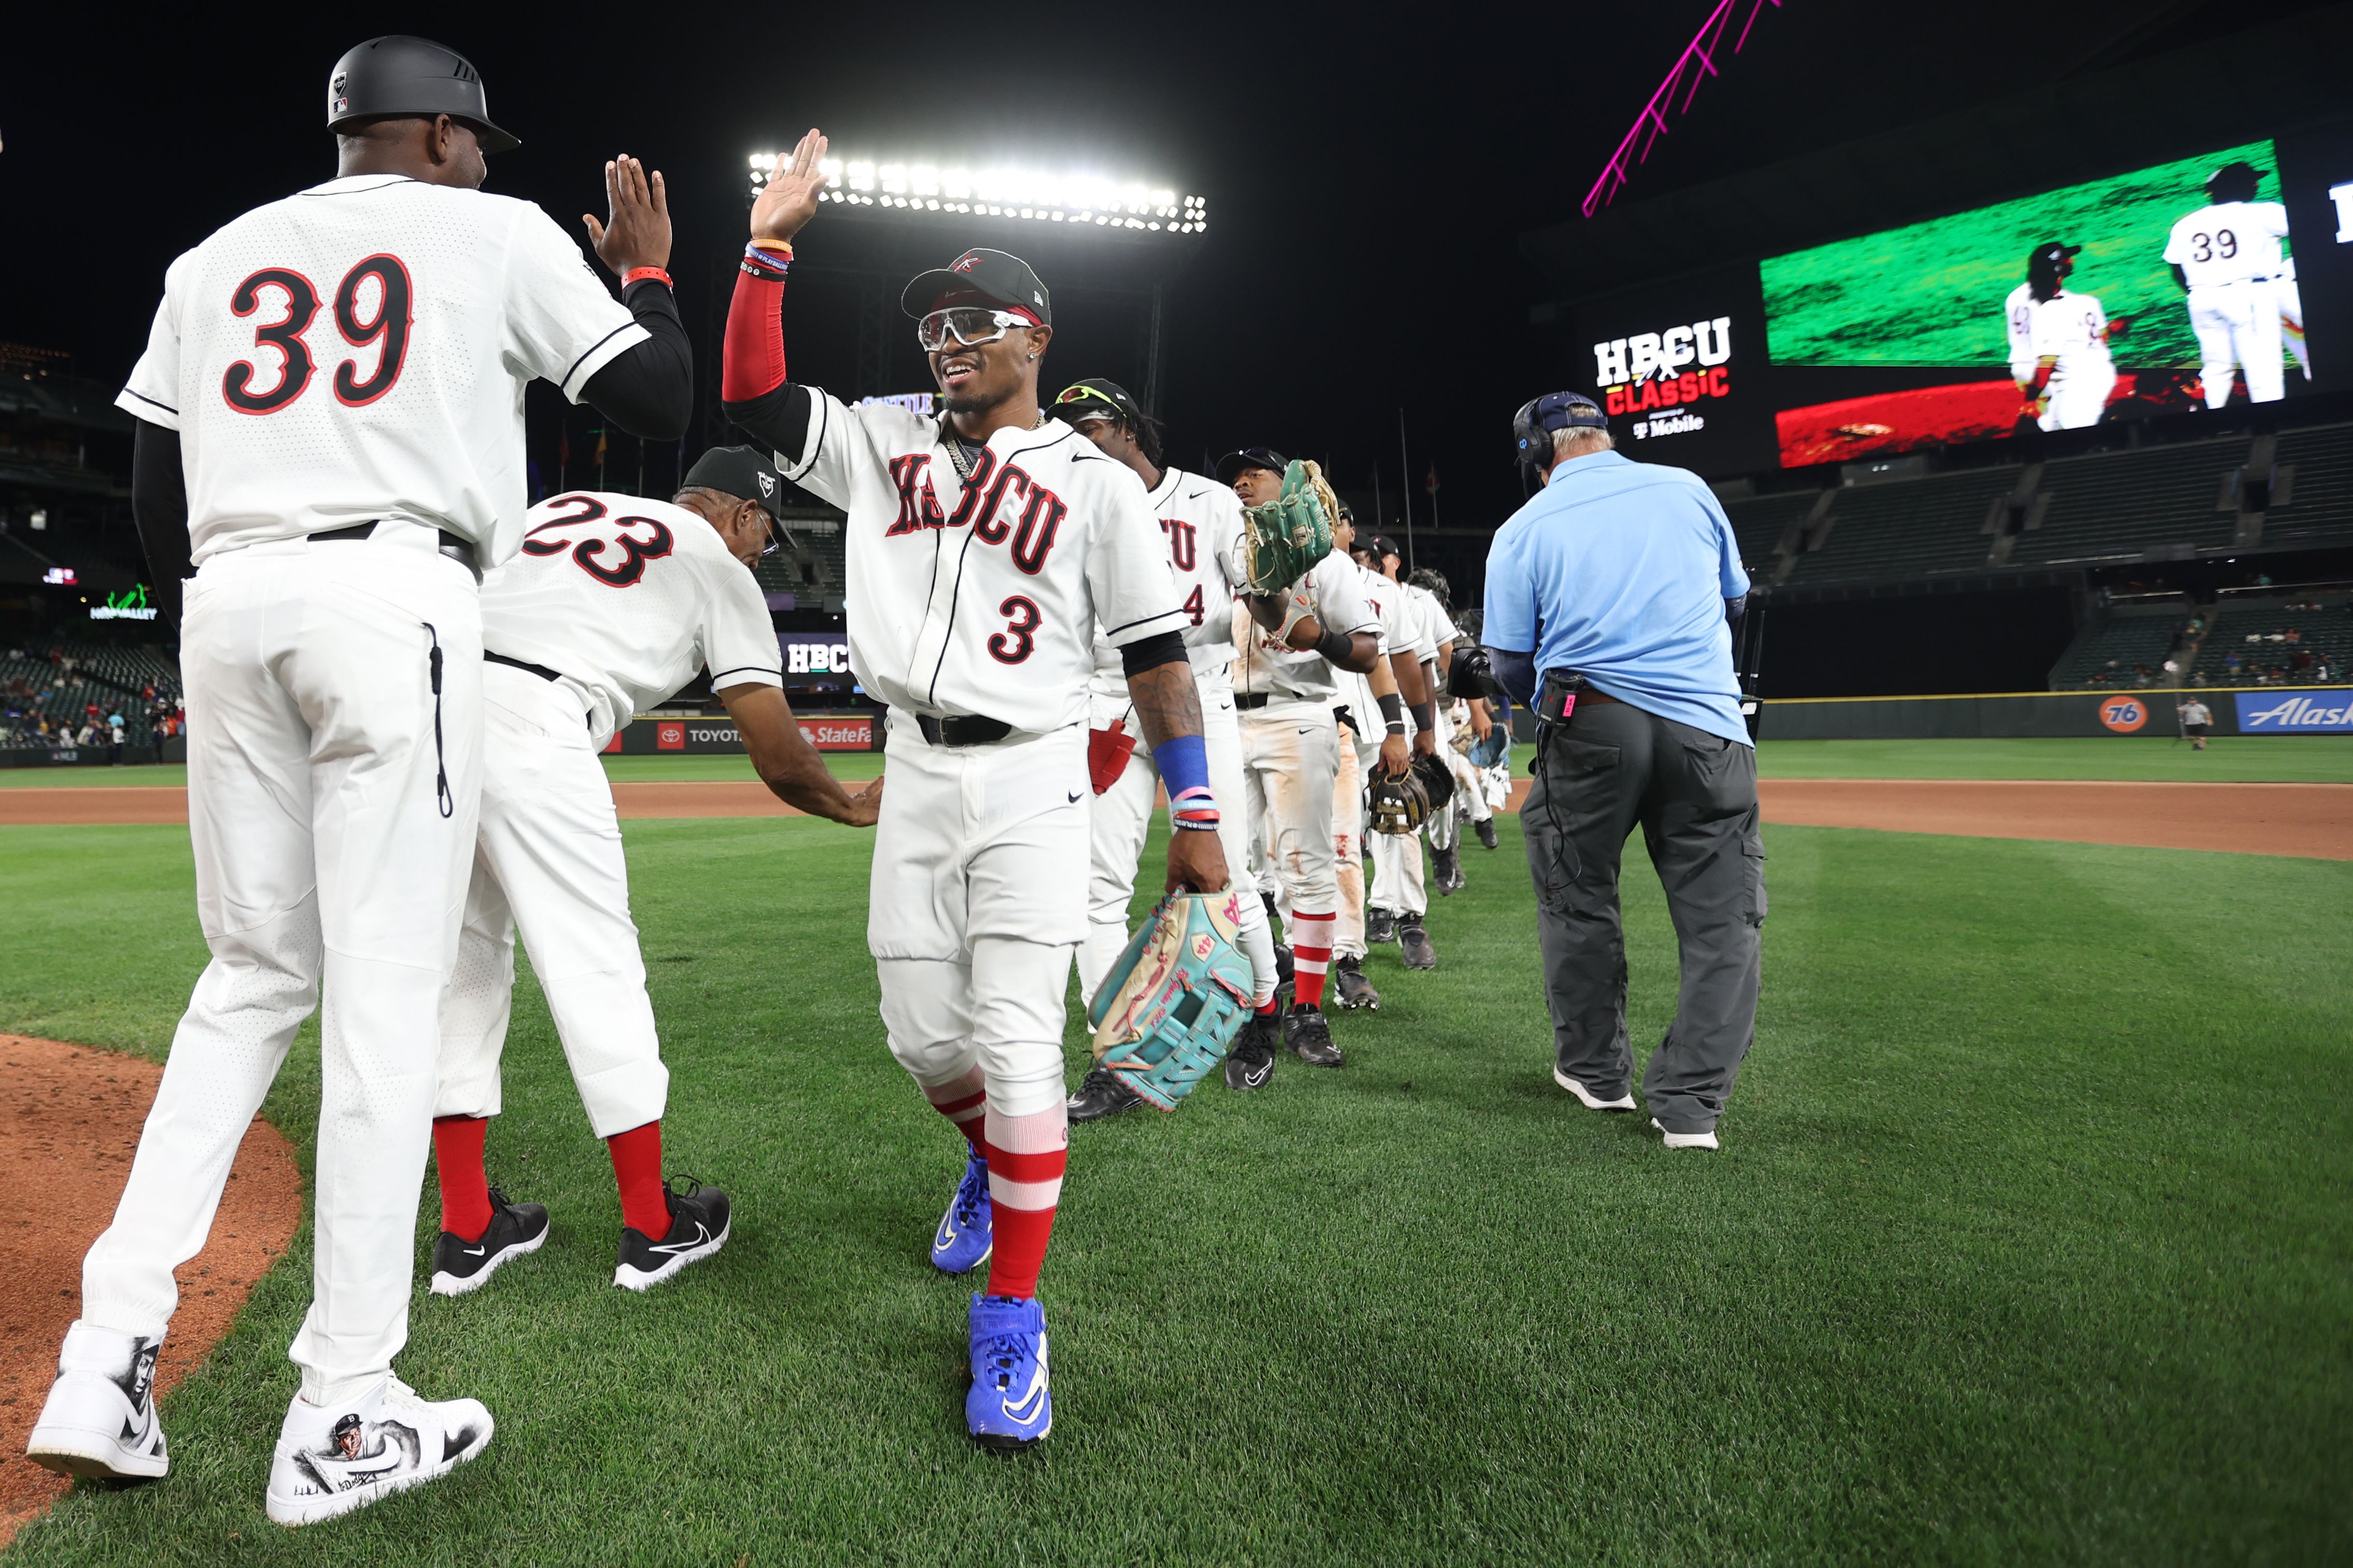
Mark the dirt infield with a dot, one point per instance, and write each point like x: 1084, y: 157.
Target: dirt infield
x: 70, y: 1119
x: 2314, y: 821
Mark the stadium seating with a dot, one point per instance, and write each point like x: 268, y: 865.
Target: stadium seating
x: 2255, y: 628
x: 35, y: 685
x: 2127, y: 646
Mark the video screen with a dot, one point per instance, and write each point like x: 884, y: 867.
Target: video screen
x: 2165, y: 290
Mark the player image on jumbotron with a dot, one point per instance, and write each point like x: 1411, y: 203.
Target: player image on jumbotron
x: 2162, y: 290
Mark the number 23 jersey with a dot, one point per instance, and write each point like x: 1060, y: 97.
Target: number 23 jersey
x: 978, y: 592
x: 626, y: 598
x: 359, y: 351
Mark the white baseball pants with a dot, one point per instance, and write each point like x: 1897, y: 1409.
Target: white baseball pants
x: 2078, y: 397
x: 1290, y: 756
x: 2238, y: 324
x: 1121, y: 816
x: 548, y: 858
x: 976, y: 901
x: 2291, y: 312
x: 1357, y: 760
x: 331, y: 807
x: 1400, y: 881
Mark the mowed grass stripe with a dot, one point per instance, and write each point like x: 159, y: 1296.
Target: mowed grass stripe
x: 2027, y: 1243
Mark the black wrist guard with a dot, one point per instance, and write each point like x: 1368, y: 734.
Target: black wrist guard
x: 1425, y: 715
x: 1392, y: 713
x: 1336, y: 647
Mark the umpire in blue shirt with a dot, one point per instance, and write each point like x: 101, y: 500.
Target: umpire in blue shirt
x: 1611, y: 597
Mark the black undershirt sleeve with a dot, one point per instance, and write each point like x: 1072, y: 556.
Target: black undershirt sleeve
x: 1151, y: 653
x: 159, y: 503
x: 778, y: 419
x: 648, y: 391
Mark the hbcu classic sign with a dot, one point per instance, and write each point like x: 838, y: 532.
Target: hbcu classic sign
x: 1665, y: 370
x: 2322, y: 711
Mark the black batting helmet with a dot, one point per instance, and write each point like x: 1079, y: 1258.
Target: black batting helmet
x: 398, y: 77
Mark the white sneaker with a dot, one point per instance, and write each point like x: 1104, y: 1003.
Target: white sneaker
x: 100, y: 1419
x: 1687, y: 1139
x: 1592, y: 1101
x: 333, y: 1458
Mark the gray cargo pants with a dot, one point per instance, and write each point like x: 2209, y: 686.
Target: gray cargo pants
x: 1695, y: 796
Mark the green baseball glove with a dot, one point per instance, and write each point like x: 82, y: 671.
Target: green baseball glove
x: 1291, y: 533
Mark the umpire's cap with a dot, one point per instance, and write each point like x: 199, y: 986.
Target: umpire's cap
x: 984, y: 278
x: 400, y: 75
x: 1266, y: 457
x: 744, y: 472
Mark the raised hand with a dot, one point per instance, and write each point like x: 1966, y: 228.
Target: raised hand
x: 789, y: 199
x: 637, y: 232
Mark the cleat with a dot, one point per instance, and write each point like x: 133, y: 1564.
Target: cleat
x: 333, y: 1458
x: 1686, y: 1140
x: 1380, y: 925
x: 459, y: 1265
x: 1415, y: 941
x: 1009, y: 1404
x: 1309, y: 1035
x: 1349, y: 984
x: 1592, y: 1101
x: 1251, y: 1062
x: 1447, y: 864
x: 1286, y: 966
x: 699, y: 1221
x: 967, y: 1235
x: 100, y: 1419
x: 1102, y: 1095
x: 1485, y: 827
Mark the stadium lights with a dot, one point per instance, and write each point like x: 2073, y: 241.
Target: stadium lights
x: 1082, y: 199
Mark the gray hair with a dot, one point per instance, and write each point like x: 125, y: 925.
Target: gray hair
x: 1578, y: 440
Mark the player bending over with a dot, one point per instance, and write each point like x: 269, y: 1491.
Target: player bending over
x: 1202, y: 523
x: 985, y: 547
x: 614, y: 603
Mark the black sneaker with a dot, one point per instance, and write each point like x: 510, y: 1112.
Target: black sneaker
x: 1251, y: 1062
x: 459, y: 1265
x: 698, y: 1228
x: 1485, y: 827
x: 1309, y: 1035
x: 1349, y: 984
x: 1447, y: 866
x: 1415, y: 941
x: 1380, y: 925
x: 1286, y: 966
x: 1101, y: 1095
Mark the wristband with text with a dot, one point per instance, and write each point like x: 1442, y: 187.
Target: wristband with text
x: 767, y: 261
x: 1183, y: 764
x: 647, y: 275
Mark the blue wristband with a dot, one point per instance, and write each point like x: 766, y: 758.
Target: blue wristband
x: 1183, y: 764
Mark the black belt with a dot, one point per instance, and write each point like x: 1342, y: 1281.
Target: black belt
x: 1247, y: 700
x: 962, y: 731
x: 455, y: 547
x: 540, y: 670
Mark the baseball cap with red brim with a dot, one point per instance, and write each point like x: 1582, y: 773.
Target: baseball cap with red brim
x: 980, y: 277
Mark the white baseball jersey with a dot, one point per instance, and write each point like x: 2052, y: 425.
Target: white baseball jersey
x: 359, y: 351
x: 2071, y: 329
x: 1202, y: 520
x: 1436, y: 627
x: 986, y: 601
x: 2230, y: 242
x: 1267, y: 666
x: 626, y: 598
x: 1395, y: 633
x: 2018, y: 322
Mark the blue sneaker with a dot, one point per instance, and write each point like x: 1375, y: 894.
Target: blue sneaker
x: 1010, y: 1406
x: 965, y: 1236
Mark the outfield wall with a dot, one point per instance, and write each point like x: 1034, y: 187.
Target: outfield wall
x: 2238, y: 710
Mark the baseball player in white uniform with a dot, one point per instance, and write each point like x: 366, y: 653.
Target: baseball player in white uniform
x: 1372, y: 739
x: 1202, y: 522
x: 1458, y: 723
x: 2227, y: 256
x: 1400, y: 894
x: 337, y: 380
x: 613, y: 603
x: 1286, y: 685
x: 985, y: 549
x: 2065, y: 373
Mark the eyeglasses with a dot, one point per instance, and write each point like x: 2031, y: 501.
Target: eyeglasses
x: 969, y: 325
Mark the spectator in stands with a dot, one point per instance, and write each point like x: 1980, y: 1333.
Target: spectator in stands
x: 114, y: 741
x: 2291, y: 635
x: 2197, y: 722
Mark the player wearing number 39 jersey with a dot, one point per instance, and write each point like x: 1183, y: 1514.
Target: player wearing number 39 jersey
x: 982, y: 548
x: 331, y: 425
x: 2226, y: 256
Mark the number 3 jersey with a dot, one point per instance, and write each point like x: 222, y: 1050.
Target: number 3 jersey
x: 976, y: 589
x: 625, y: 598
x: 359, y: 351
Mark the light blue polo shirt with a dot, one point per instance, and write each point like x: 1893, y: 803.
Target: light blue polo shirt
x: 1618, y: 571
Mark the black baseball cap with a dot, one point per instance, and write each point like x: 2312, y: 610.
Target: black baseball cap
x: 1381, y: 545
x: 982, y: 278
x: 1265, y: 458
x: 2050, y: 253
x: 744, y: 472
x: 2245, y: 176
x: 1097, y: 398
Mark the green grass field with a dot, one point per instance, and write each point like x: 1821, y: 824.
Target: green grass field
x: 1932, y: 293
x: 2029, y: 1243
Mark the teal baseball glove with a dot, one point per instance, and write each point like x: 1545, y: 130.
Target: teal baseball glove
x: 1169, y: 1009
x: 1291, y: 533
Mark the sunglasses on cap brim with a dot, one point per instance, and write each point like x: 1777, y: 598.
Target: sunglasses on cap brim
x: 967, y: 325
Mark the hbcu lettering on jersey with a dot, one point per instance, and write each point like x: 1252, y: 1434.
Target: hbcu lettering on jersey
x: 1668, y: 369
x: 982, y: 503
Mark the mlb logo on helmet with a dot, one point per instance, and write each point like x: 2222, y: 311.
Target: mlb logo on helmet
x: 2124, y: 714
x: 964, y: 263
x: 767, y: 483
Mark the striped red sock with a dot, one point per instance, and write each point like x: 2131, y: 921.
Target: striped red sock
x: 962, y: 1102
x: 637, y: 1167
x: 1311, y: 955
x: 1026, y: 1156
x: 457, y: 1161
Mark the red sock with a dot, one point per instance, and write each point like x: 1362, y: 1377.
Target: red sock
x: 1026, y: 1156
x: 962, y: 1102
x: 637, y: 1166
x: 1311, y: 955
x: 457, y: 1161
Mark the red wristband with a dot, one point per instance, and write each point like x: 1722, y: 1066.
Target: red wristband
x: 642, y: 274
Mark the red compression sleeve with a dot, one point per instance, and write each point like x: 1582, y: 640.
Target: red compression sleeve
x: 754, y: 359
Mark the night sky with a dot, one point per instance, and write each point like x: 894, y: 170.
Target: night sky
x: 1368, y: 169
